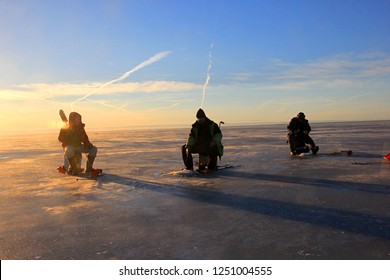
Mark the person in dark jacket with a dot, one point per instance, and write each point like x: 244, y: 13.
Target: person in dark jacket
x: 204, y: 139
x: 75, y: 141
x: 298, y: 134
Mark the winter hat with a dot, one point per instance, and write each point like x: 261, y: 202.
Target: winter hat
x: 200, y: 114
x: 73, y: 116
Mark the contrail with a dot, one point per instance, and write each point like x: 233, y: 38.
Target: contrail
x: 151, y: 60
x: 208, y: 75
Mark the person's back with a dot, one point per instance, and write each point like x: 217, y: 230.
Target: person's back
x: 201, y: 133
x: 204, y: 139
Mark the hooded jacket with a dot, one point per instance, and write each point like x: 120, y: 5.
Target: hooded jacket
x: 298, y: 126
x: 202, y: 134
x: 72, y: 134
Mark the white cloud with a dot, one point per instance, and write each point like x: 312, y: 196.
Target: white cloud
x: 346, y: 71
x: 346, y: 66
x: 51, y: 91
x: 349, y: 65
x: 243, y: 77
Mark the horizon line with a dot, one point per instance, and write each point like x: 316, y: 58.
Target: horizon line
x: 176, y: 126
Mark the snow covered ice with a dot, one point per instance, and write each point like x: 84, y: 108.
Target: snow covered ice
x: 271, y: 206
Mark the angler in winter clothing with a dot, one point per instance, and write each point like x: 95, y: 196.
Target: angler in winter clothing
x: 75, y: 141
x: 204, y: 139
x: 298, y: 135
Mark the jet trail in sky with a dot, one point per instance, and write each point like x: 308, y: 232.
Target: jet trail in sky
x: 151, y: 60
x: 208, y: 76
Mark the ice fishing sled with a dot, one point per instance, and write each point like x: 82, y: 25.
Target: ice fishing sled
x: 196, y: 172
x: 81, y: 173
x: 301, y: 149
x: 219, y: 168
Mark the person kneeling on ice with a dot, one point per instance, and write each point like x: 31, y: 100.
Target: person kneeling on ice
x: 298, y: 136
x: 204, y: 139
x: 76, y: 141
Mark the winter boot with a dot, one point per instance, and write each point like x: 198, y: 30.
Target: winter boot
x: 315, y: 150
x: 212, y: 164
x: 90, y: 161
x: 72, y: 169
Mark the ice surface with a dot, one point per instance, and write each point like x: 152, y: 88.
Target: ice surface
x: 271, y: 206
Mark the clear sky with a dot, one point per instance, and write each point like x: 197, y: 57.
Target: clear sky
x: 155, y: 62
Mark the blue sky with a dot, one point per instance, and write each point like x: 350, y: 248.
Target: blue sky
x: 266, y: 61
